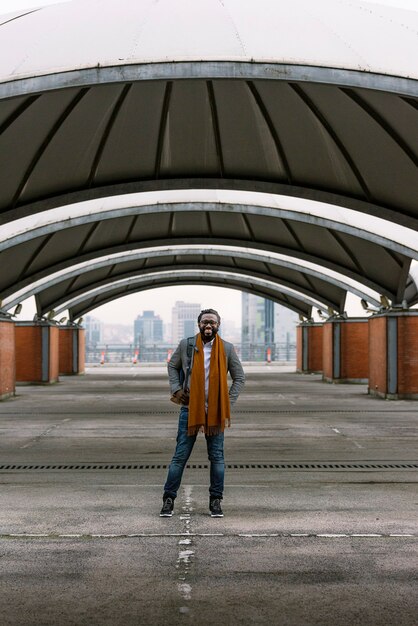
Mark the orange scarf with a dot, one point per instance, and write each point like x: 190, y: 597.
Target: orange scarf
x: 218, y: 415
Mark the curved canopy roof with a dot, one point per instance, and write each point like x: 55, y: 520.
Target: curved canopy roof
x: 348, y: 34
x: 302, y: 100
x: 297, y: 302
x: 81, y: 280
x: 348, y: 252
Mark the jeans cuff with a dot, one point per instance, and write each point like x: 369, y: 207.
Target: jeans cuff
x: 168, y: 495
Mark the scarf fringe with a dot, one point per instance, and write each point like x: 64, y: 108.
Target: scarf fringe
x: 208, y: 430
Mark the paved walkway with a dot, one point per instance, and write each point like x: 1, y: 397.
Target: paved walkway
x: 320, y: 521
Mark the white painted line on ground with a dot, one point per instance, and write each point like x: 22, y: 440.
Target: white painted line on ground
x: 185, y: 556
x: 331, y: 535
x: 30, y: 535
x: 186, y: 537
x: 254, y: 535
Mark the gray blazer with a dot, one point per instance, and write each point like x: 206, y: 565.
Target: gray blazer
x: 179, y: 361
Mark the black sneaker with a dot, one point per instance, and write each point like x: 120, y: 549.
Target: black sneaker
x: 215, y: 508
x: 168, y: 506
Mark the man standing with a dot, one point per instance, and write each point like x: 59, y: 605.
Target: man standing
x: 205, y: 361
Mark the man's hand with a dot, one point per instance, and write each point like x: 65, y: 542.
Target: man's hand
x: 182, y: 396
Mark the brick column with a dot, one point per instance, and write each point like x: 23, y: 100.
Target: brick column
x: 7, y: 358
x: 71, y: 350
x: 393, y: 355
x: 309, y: 348
x: 37, y: 352
x: 346, y: 350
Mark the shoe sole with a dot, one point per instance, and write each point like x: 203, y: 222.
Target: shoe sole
x: 216, y: 514
x: 166, y: 515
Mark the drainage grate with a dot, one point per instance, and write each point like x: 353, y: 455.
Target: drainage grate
x: 239, y: 466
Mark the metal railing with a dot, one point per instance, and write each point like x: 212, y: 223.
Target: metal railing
x: 160, y: 353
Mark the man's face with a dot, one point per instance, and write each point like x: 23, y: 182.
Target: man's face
x: 208, y: 326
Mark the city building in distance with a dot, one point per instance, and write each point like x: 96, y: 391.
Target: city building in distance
x: 184, y: 320
x: 266, y: 325
x: 285, y: 322
x: 148, y: 329
x: 93, y: 330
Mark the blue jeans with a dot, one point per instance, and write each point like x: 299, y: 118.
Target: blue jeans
x: 185, y: 443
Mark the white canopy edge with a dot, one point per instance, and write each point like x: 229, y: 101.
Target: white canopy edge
x: 342, y: 34
x: 307, y: 267
x: 199, y: 275
x: 26, y: 228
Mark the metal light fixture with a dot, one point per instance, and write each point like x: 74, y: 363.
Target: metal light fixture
x: 384, y: 301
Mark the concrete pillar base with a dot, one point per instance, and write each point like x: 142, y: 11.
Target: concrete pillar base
x: 309, y: 348
x: 37, y: 353
x: 7, y: 359
x: 346, y: 351
x: 71, y: 351
x: 393, y: 339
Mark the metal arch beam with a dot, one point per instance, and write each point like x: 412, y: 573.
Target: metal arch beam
x: 291, y: 253
x: 249, y: 275
x: 228, y: 207
x: 217, y: 252
x: 243, y: 70
x: 200, y: 241
x: 301, y: 309
x: 175, y: 184
x: 177, y: 276
x: 80, y: 269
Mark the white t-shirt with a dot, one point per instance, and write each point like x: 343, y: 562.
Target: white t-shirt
x: 207, y: 350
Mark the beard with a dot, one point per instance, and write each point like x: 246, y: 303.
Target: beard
x: 206, y: 336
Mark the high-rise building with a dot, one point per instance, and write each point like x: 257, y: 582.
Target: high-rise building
x: 253, y: 316
x: 184, y: 320
x: 285, y: 322
x: 93, y: 330
x: 265, y: 324
x: 148, y: 329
